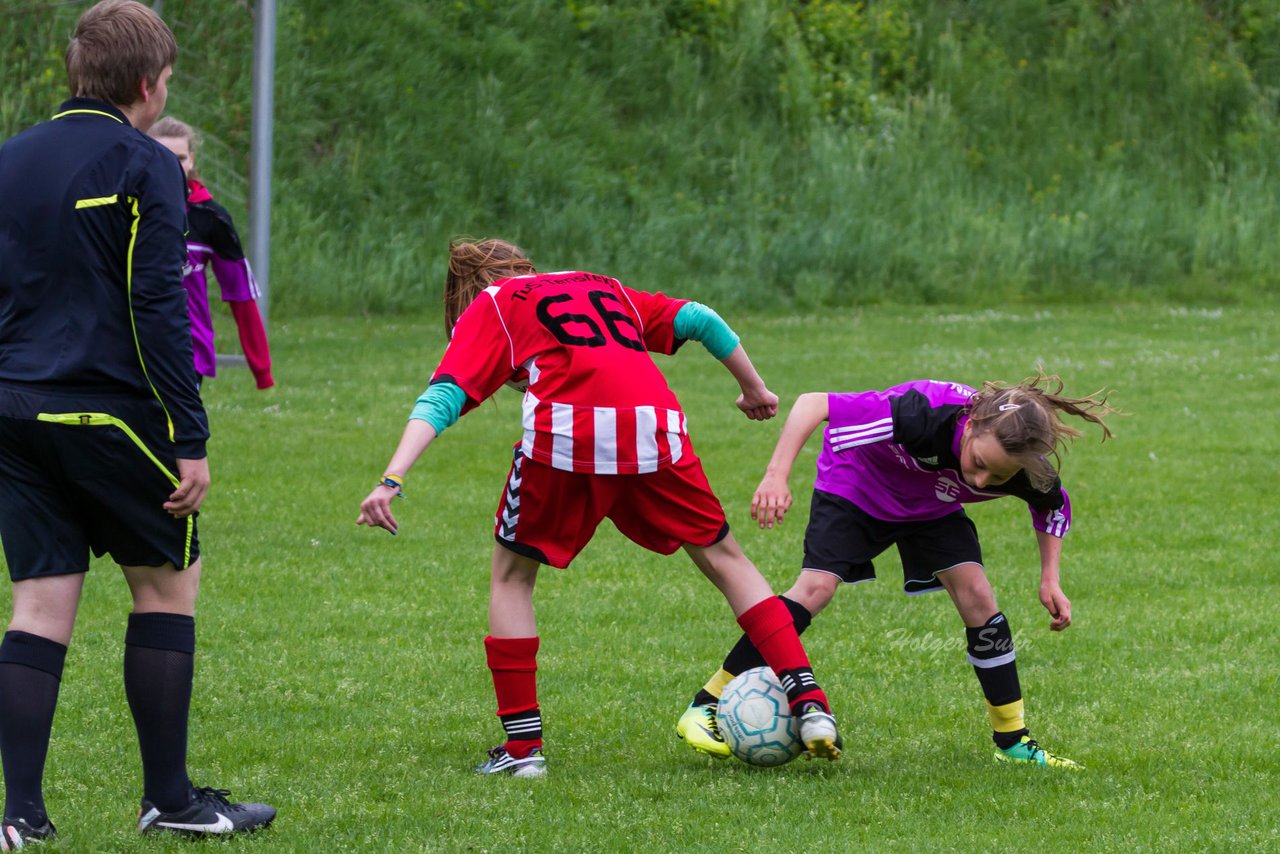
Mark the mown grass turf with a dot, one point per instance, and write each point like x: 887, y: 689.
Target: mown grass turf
x: 341, y: 674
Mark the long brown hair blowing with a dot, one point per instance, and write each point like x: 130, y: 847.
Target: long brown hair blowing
x: 1026, y: 420
x: 473, y: 266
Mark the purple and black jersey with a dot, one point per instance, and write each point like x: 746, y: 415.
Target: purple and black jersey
x: 212, y: 241
x: 895, y: 454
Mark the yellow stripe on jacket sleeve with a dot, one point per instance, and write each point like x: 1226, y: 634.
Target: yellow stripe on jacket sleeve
x: 96, y: 203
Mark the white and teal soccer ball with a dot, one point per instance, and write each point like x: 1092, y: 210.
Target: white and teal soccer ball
x: 756, y: 721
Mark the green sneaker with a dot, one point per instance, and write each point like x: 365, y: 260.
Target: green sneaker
x: 698, y: 727
x: 1027, y: 751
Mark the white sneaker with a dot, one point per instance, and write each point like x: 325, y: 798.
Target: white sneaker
x: 501, y: 762
x: 818, y: 732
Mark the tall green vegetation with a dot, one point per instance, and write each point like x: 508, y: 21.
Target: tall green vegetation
x: 817, y: 153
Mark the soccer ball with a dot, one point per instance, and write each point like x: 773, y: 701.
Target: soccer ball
x: 756, y: 721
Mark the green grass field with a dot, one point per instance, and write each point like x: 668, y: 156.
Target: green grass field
x: 341, y: 673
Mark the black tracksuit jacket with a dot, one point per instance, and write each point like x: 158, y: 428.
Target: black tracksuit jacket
x: 92, y: 223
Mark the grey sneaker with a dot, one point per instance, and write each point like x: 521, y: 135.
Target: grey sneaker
x: 818, y: 732
x: 501, y: 762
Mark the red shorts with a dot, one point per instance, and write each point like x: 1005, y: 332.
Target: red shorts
x: 550, y: 515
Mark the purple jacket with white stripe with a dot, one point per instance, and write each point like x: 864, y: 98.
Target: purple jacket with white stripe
x: 896, y: 455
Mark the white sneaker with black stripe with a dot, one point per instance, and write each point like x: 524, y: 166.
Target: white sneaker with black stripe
x: 501, y: 762
x: 208, y: 813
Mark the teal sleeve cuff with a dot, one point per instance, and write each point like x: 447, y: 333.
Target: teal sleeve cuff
x: 696, y: 322
x: 440, y: 406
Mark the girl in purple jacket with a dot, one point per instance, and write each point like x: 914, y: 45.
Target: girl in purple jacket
x: 212, y: 243
x: 895, y: 468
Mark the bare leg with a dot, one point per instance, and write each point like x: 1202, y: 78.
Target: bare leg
x: 971, y: 592
x: 163, y: 589
x: 511, y: 595
x: 733, y: 574
x: 814, y: 590
x: 47, y: 606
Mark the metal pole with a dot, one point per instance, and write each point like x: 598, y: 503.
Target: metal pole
x: 264, y: 65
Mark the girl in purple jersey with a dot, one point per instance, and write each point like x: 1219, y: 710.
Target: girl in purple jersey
x: 895, y: 468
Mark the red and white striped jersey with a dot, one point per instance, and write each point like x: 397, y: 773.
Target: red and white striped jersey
x: 595, y: 401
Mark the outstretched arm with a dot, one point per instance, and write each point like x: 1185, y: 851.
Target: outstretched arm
x: 1051, y: 595
x: 437, y: 409
x: 375, y: 510
x: 772, y: 498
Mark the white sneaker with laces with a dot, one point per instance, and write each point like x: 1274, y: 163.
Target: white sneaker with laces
x: 501, y: 762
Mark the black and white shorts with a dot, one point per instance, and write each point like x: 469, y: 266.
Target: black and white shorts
x: 842, y: 540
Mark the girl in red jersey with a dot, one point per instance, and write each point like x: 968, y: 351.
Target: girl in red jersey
x: 603, y: 437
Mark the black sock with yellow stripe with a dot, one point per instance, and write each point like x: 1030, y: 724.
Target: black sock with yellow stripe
x: 992, y: 656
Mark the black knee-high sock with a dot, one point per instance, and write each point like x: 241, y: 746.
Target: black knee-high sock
x: 744, y: 654
x: 159, y: 664
x: 30, y: 674
x: 994, y: 663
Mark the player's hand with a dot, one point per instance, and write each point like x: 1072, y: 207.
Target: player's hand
x: 193, y: 486
x: 771, y: 501
x: 758, y: 404
x: 1058, y: 606
x: 375, y: 511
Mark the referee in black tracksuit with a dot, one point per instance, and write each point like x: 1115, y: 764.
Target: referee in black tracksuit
x: 102, y: 432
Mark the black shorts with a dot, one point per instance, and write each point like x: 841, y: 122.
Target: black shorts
x: 86, y: 474
x: 842, y: 539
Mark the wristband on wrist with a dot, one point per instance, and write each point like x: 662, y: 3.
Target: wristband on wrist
x: 394, y: 481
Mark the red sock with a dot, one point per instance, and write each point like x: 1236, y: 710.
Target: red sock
x: 769, y: 627
x: 514, y: 665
